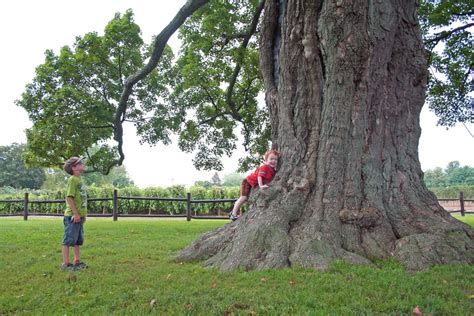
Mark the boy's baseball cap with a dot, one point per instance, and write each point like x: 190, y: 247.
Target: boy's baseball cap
x: 72, y: 162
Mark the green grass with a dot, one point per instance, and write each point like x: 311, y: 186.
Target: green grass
x: 131, y: 271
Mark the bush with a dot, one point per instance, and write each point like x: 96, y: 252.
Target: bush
x: 453, y: 192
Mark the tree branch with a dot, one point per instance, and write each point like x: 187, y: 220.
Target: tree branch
x: 230, y: 88
x: 160, y: 41
x: 445, y: 34
x: 103, y: 92
x: 463, y: 13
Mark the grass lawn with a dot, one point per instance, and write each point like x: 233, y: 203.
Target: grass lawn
x: 131, y: 271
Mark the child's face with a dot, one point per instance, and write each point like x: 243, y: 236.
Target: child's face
x: 78, y: 168
x: 272, y: 160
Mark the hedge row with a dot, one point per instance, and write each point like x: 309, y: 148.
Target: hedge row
x: 127, y: 206
x: 453, y: 192
x: 156, y: 207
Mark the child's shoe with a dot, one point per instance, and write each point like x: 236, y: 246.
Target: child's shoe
x: 80, y: 265
x: 233, y: 217
x: 67, y: 267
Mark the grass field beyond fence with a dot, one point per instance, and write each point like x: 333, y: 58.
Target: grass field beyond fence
x: 131, y: 271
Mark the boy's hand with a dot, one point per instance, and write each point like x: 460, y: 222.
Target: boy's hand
x: 264, y: 186
x: 77, y: 218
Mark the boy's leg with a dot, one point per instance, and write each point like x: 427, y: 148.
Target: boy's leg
x: 78, y: 264
x: 65, y: 252
x: 76, y: 254
x: 244, y: 193
x: 67, y: 239
x: 241, y: 200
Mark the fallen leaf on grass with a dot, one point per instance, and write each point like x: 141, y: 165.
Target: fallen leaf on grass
x: 239, y: 306
x: 213, y: 285
x: 71, y: 278
x: 152, y: 302
x: 47, y: 274
x: 188, y: 306
x: 263, y: 280
x: 292, y: 282
x: 417, y: 311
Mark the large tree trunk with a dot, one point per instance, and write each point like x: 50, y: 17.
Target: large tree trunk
x: 345, y: 82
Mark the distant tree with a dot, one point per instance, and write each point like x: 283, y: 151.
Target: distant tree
x: 118, y: 177
x: 232, y: 179
x: 447, y: 27
x: 452, y: 175
x: 458, y: 175
x: 203, y: 183
x: 14, y: 172
x: 55, y: 179
x: 435, y: 178
x: 216, y: 180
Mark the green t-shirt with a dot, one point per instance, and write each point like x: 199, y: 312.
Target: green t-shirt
x: 77, y: 191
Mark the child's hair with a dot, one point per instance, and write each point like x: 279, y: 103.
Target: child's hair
x: 271, y: 151
x: 72, y: 162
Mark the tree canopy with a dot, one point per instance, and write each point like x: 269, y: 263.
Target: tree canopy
x: 14, y: 172
x: 447, y: 27
x: 74, y: 96
x: 207, y: 95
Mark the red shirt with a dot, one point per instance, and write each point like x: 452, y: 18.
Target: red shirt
x: 265, y: 171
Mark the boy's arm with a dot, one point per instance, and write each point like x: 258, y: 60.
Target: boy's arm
x: 260, y: 183
x: 72, y: 205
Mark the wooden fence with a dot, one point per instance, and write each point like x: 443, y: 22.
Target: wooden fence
x: 115, y: 210
x: 449, y: 204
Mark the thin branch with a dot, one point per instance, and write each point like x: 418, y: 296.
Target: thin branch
x: 103, y: 92
x: 142, y: 119
x: 95, y: 127
x: 230, y: 88
x: 463, y: 13
x: 445, y: 34
x: 160, y: 41
x: 246, y: 94
x: 211, y: 99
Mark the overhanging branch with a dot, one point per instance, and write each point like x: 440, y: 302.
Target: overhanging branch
x: 160, y: 41
x: 445, y: 34
x: 230, y: 89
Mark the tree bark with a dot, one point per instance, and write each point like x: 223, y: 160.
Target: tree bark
x: 345, y: 83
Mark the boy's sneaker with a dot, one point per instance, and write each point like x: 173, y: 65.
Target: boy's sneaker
x: 233, y: 217
x: 67, y: 267
x: 79, y: 265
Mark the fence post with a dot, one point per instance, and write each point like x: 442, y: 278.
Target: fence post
x: 188, y: 206
x: 25, y: 207
x: 461, y: 201
x: 115, y: 202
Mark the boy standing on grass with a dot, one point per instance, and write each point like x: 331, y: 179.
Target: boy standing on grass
x: 261, y: 177
x: 75, y: 214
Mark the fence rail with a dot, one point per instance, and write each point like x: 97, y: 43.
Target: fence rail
x: 115, y: 210
x: 448, y: 204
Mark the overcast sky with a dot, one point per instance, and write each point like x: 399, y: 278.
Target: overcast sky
x: 28, y: 28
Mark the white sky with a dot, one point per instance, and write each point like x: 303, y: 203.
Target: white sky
x: 29, y: 27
